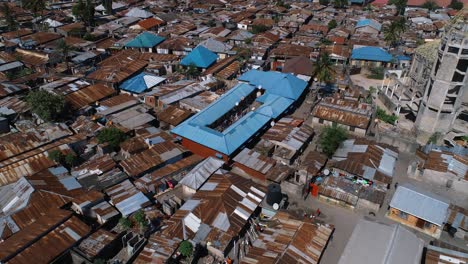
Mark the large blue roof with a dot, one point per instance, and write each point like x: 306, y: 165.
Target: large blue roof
x: 275, y: 101
x: 145, y: 40
x: 200, y: 57
x: 369, y: 22
x: 282, y: 84
x: 371, y: 54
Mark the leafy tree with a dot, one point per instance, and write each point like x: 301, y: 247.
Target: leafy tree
x: 248, y: 41
x: 393, y: 31
x: 331, y: 138
x: 89, y: 37
x: 256, y: 29
x: 71, y: 160
x: 35, y: 6
x: 323, y: 68
x: 434, y: 138
x: 430, y: 5
x: 457, y: 5
x: 211, y: 23
x: 332, y: 24
x: 340, y: 3
x: 84, y: 11
x: 9, y: 17
x: 324, y: 2
x: 125, y: 223
x: 186, y: 248
x: 377, y: 73
x: 382, y: 115
x: 64, y: 50
x: 111, y: 135
x: 46, y: 105
x: 400, y: 5
x: 140, y: 218
x: 192, y: 71
x: 56, y: 155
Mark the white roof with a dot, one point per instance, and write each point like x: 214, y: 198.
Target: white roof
x: 137, y: 12
x: 426, y: 206
x: 198, y: 175
x: 151, y: 80
x: 376, y: 243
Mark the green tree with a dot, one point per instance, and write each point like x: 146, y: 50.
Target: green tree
x: 457, y: 5
x: 324, y: 2
x: 256, y: 29
x: 430, y: 5
x: 56, y: 155
x: 382, y: 115
x: 48, y: 106
x: 140, y: 218
x: 192, y: 71
x: 323, y: 68
x: 9, y: 17
x: 84, y: 11
x: 64, y: 50
x: 340, y: 3
x: 71, y: 160
x: 392, y: 33
x: 400, y: 5
x: 111, y: 135
x: 186, y: 248
x: 332, y: 24
x: 434, y: 138
x: 35, y: 6
x: 331, y: 138
x: 125, y: 223
x: 248, y: 41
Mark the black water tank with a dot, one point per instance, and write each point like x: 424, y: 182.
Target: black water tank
x: 274, y: 194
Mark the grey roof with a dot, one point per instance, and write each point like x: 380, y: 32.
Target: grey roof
x: 10, y: 65
x: 215, y: 46
x: 409, y: 199
x: 198, y: 175
x: 376, y: 243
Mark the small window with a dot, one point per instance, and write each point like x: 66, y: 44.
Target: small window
x: 427, y: 225
x: 320, y: 121
x: 403, y: 215
x: 457, y: 77
x: 453, y: 50
x: 352, y: 129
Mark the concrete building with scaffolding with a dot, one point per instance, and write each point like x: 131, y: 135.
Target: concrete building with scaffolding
x: 446, y: 94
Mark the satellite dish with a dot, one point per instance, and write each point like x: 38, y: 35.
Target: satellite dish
x: 259, y: 87
x: 272, y: 123
x: 237, y: 103
x: 326, y: 172
x: 275, y: 206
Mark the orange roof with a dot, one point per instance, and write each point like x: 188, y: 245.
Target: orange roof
x: 150, y: 23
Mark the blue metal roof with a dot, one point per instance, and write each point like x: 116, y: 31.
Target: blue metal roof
x: 282, y: 84
x: 371, y: 54
x: 145, y: 40
x: 403, y: 58
x: 200, y: 57
x: 368, y: 22
x: 274, y: 101
x: 140, y: 83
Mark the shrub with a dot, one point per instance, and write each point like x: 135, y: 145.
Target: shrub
x: 331, y: 138
x: 382, y: 115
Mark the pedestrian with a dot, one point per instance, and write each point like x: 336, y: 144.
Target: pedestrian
x: 318, y: 212
x: 396, y: 185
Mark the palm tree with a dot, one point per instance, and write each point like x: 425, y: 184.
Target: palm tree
x: 393, y: 31
x: 9, y: 17
x: 323, y: 68
x: 64, y: 49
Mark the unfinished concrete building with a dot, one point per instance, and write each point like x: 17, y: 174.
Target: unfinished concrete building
x: 445, y: 98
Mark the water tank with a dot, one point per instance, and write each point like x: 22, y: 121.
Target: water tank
x: 274, y: 194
